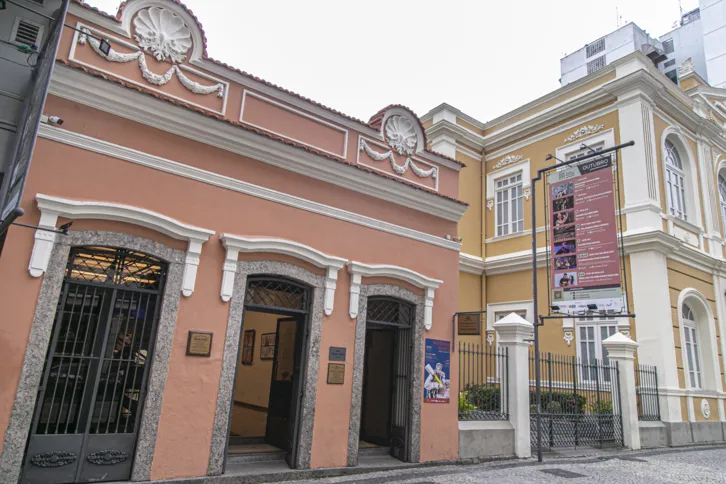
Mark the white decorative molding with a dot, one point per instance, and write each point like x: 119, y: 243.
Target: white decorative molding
x: 163, y: 33
x: 168, y: 166
x: 527, y: 192
x: 584, y: 131
x: 705, y: 406
x: 236, y: 244
x: 568, y: 337
x: 507, y: 160
x: 399, y: 169
x: 401, y: 135
x: 472, y: 264
x: 53, y: 207
x: 490, y: 337
x: 687, y: 67
x: 147, y: 110
x: 358, y: 270
x: 156, y: 79
x: 490, y: 204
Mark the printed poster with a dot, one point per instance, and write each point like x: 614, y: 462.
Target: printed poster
x: 437, y: 371
x: 585, y: 256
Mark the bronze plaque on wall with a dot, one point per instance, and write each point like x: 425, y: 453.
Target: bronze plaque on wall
x: 336, y: 373
x: 199, y: 343
x: 469, y: 324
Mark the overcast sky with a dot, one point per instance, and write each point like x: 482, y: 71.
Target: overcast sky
x: 484, y: 57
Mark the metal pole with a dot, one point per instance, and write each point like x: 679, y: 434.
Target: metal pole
x: 537, y: 370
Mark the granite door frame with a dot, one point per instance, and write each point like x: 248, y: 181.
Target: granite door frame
x: 416, y: 388
x: 17, y: 434
x: 225, y: 396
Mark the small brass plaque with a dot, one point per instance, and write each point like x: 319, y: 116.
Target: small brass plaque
x: 336, y: 373
x: 469, y: 324
x: 199, y: 343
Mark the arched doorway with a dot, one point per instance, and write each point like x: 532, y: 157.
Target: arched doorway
x: 387, y: 377
x: 269, y: 381
x: 94, y: 381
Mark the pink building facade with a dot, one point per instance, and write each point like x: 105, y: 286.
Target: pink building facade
x: 235, y: 251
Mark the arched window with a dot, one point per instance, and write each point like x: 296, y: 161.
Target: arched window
x: 693, y: 352
x: 675, y: 182
x: 722, y: 197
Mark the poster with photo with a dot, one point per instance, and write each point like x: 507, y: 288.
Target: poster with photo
x: 585, y: 256
x: 437, y: 371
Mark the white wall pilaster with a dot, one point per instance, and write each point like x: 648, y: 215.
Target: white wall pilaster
x: 621, y: 350
x: 638, y: 165
x: 654, y: 325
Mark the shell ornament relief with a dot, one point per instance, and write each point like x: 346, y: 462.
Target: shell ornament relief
x: 162, y: 33
x: 402, y: 138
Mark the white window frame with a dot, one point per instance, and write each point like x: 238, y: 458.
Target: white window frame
x: 721, y: 175
x: 509, y: 205
x: 692, y: 351
x: 597, y: 323
x: 521, y: 167
x: 675, y: 179
x: 672, y: 43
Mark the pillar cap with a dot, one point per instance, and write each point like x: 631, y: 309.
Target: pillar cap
x: 620, y: 346
x: 513, y: 328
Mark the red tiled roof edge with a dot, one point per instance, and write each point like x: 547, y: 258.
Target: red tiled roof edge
x: 260, y: 132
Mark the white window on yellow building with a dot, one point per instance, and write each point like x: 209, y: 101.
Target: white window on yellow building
x: 509, y: 205
x: 590, y: 349
x: 693, y: 352
x: 675, y: 182
x: 722, y: 197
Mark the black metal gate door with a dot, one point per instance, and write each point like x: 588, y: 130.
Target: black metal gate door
x: 92, y: 390
x: 391, y: 313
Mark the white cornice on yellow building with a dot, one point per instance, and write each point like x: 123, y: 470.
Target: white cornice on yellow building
x: 635, y: 79
x: 633, y: 242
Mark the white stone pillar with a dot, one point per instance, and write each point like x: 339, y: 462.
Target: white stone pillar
x: 512, y: 331
x: 621, y: 350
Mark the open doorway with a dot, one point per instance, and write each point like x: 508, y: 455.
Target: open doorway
x: 386, y: 379
x: 265, y: 408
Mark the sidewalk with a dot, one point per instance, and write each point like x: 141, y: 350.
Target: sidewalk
x: 277, y: 471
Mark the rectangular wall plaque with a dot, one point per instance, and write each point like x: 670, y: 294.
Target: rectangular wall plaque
x: 336, y: 373
x: 336, y: 353
x: 199, y: 343
x: 469, y: 324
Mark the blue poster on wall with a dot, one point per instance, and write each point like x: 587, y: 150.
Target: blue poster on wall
x: 436, y: 371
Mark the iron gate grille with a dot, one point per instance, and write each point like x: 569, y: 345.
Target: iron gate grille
x: 579, y: 402
x: 96, y: 369
x: 389, y: 311
x: 277, y: 293
x: 395, y: 314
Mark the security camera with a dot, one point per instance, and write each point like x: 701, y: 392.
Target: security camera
x: 54, y: 120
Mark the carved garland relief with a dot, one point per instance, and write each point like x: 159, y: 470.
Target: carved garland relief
x: 401, y: 137
x: 165, y: 36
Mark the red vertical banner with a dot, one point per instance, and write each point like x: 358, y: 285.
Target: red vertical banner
x: 584, y: 251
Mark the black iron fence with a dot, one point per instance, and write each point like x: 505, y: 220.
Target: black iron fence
x: 483, y: 382
x: 579, y: 402
x: 646, y: 389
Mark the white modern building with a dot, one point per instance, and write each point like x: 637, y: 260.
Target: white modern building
x: 700, y: 37
x: 606, y: 50
x: 713, y: 18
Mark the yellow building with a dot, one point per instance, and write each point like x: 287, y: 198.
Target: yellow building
x: 673, y: 199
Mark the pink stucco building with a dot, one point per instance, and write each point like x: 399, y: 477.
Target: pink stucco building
x: 246, y: 271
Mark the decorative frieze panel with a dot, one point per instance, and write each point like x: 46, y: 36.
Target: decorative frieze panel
x: 584, y: 131
x: 507, y: 160
x: 153, y: 78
